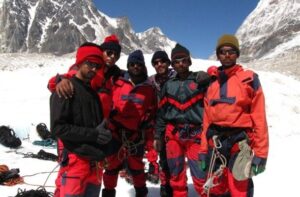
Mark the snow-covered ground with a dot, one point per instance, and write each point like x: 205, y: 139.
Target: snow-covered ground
x: 24, y: 102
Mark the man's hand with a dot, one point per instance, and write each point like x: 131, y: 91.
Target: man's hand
x: 202, y: 78
x: 104, y: 134
x: 65, y: 88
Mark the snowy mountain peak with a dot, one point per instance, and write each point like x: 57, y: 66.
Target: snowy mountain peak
x: 60, y: 26
x: 270, y: 36
x: 269, y: 27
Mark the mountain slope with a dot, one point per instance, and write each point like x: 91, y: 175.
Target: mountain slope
x: 270, y: 36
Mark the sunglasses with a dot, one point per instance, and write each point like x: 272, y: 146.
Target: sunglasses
x: 93, y: 65
x: 161, y: 61
x: 132, y: 64
x: 110, y: 53
x: 229, y: 51
x: 184, y: 60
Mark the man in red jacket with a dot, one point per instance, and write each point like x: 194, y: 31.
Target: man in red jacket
x: 131, y: 123
x: 235, y: 128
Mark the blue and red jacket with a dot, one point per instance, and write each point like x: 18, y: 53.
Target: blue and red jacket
x: 181, y: 103
x: 236, y: 100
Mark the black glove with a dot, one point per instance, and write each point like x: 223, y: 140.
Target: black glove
x: 258, y: 165
x: 104, y: 134
x: 202, y: 78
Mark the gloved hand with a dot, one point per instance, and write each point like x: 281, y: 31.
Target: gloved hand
x: 202, y: 78
x: 258, y: 165
x: 104, y: 134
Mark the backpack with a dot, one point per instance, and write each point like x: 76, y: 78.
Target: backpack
x: 8, y: 137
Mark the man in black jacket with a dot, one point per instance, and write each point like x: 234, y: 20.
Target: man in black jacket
x: 78, y: 123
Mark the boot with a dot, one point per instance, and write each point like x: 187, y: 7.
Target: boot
x: 166, y: 191
x: 43, y: 131
x: 141, y: 191
x: 108, y: 193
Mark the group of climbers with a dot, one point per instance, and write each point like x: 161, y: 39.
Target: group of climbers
x: 216, y: 121
x: 105, y: 119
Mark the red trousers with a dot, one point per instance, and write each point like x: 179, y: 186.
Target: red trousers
x: 115, y: 160
x: 80, y: 177
x: 178, y: 150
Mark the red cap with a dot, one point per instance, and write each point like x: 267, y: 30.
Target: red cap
x: 112, y: 38
x: 89, y: 53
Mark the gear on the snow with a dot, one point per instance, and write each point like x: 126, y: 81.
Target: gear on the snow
x: 40, y: 155
x: 8, y: 137
x: 43, y: 131
x: 39, y: 192
x: 9, y: 177
x: 47, y: 142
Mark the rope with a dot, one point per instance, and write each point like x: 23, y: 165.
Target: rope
x: 44, y: 185
x: 129, y: 146
x: 212, y: 175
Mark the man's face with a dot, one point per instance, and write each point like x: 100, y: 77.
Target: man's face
x: 181, y: 65
x: 227, y: 56
x: 161, y: 66
x: 110, y: 57
x: 88, y: 70
x: 136, y: 69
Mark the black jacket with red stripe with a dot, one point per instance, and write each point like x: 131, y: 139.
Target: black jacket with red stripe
x: 181, y: 103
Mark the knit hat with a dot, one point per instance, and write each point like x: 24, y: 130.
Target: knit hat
x: 160, y: 55
x: 111, y: 43
x: 89, y: 52
x: 179, y: 51
x: 136, y: 57
x: 229, y: 40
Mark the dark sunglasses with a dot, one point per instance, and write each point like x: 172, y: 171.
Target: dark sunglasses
x: 132, y: 64
x: 93, y: 65
x: 229, y: 51
x: 110, y: 53
x: 184, y: 60
x: 161, y: 61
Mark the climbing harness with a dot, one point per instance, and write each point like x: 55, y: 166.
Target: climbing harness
x: 212, y: 176
x: 129, y: 147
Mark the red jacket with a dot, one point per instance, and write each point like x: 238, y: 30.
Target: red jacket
x: 134, y: 106
x: 236, y: 99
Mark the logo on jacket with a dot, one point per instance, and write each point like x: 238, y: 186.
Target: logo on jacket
x: 193, y: 86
